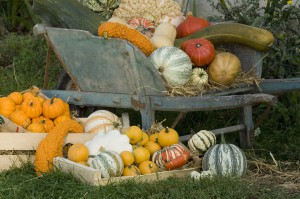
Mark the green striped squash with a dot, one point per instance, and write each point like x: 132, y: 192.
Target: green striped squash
x: 104, y: 8
x: 201, y: 142
x: 225, y: 160
x: 173, y: 64
x: 109, y: 163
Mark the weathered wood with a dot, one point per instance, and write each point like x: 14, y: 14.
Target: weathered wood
x: 67, y: 14
x: 246, y: 139
x: 279, y: 85
x: 229, y: 129
x: 9, y: 161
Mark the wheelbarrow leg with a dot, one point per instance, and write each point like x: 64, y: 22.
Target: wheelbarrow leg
x: 246, y: 135
x: 147, y: 115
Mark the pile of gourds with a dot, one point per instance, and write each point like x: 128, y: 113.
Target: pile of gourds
x: 33, y: 112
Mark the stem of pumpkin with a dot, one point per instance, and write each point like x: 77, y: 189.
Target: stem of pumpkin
x: 198, y: 45
x: 223, y: 139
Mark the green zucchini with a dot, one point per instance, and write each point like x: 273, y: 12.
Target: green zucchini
x: 236, y: 33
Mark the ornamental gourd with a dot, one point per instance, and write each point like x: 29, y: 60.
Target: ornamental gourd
x: 148, y: 167
x: 109, y: 163
x: 225, y: 160
x: 199, y: 78
x: 173, y: 64
x: 17, y: 97
x: 7, y: 106
x: 201, y: 51
x: 143, y: 25
x: 224, y: 68
x: 102, y: 121
x: 53, y: 107
x: 131, y: 170
x: 20, y: 118
x: 164, y: 35
x: 32, y: 107
x: 201, y: 142
x: 167, y: 137
x: 171, y: 157
x: 190, y: 25
x: 104, y: 8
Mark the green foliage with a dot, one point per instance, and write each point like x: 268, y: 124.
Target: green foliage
x: 23, y: 183
x: 22, y: 63
x: 17, y: 15
x: 277, y: 16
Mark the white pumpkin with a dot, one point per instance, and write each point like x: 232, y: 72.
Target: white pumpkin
x: 173, y: 64
x: 201, y: 142
x: 199, y: 78
x: 109, y: 163
x: 164, y: 35
x: 102, y: 121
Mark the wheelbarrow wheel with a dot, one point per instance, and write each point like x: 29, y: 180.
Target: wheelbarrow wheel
x: 66, y: 83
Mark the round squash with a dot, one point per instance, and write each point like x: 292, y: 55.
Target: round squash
x: 152, y: 147
x: 54, y: 107
x: 225, y: 160
x: 199, y: 78
x: 148, y: 167
x: 36, y: 128
x: 7, y: 106
x: 20, y: 118
x: 201, y: 142
x: 78, y: 152
x: 144, y: 140
x: 224, y: 68
x: 32, y: 107
x: 131, y: 170
x: 17, y: 97
x: 141, y: 154
x: 135, y: 134
x: 109, y: 163
x: 102, y: 121
x: 167, y: 137
x: 173, y: 64
x: 127, y: 157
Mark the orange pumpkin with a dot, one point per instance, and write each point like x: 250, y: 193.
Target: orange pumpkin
x: 53, y: 107
x: 154, y: 137
x: 152, y: 147
x: 144, y: 140
x: 135, y: 134
x: 31, y: 95
x: 36, y: 128
x: 167, y: 137
x: 7, y: 106
x: 131, y: 170
x: 61, y: 118
x: 141, y: 154
x: 148, y: 167
x: 78, y: 152
x: 127, y: 157
x: 17, y: 97
x: 32, y: 107
x: 48, y: 124
x: 20, y: 118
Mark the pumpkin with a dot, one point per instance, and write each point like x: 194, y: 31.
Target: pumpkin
x: 127, y: 157
x: 134, y: 133
x: 148, y: 167
x: 109, y: 163
x: 61, y: 118
x: 131, y: 170
x: 36, y: 128
x: 225, y: 160
x: 113, y: 140
x: 201, y: 51
x: 78, y: 152
x: 104, y: 8
x: 102, y: 121
x: 141, y: 154
x: 7, y: 106
x: 20, y: 118
x: 32, y: 107
x: 144, y: 140
x: 169, y: 155
x: 117, y: 30
x: 201, y: 142
x: 224, y: 68
x: 53, y: 107
x: 152, y: 147
x: 154, y: 137
x: 33, y: 95
x: 164, y: 35
x: 167, y: 137
x: 47, y: 123
x: 190, y: 25
x: 173, y: 64
x: 199, y: 78
x: 17, y: 97
x: 143, y: 25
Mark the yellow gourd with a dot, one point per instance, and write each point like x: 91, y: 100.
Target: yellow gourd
x: 164, y: 35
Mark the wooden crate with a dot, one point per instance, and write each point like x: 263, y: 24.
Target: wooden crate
x: 93, y: 176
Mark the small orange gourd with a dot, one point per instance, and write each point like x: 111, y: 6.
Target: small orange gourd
x: 17, y: 97
x: 152, y: 147
x: 53, y: 107
x: 141, y: 154
x: 61, y: 118
x: 78, y: 152
x: 148, y: 167
x: 36, y: 128
x: 20, y: 118
x: 32, y: 107
x: 135, y: 134
x: 154, y: 137
x: 144, y: 140
x: 131, y: 170
x: 168, y: 137
x: 127, y: 157
x: 7, y: 106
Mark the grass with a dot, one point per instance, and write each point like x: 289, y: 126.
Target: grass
x: 23, y: 183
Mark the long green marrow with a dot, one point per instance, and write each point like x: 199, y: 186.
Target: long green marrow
x: 236, y: 33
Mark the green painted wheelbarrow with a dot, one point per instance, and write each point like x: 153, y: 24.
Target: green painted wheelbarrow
x: 114, y: 73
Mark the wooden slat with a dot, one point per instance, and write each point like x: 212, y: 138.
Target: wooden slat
x: 30, y: 141
x: 93, y: 177
x: 7, y: 161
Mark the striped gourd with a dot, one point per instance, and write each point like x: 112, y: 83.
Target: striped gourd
x: 201, y: 142
x: 102, y: 121
x: 167, y: 154
x: 225, y: 159
x: 173, y: 64
x: 109, y: 163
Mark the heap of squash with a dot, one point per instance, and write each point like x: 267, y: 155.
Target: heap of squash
x: 33, y: 112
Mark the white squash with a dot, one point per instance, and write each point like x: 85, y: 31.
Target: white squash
x: 199, y: 78
x: 201, y: 142
x: 164, y: 35
x: 102, y: 121
x: 195, y: 175
x: 113, y: 141
x: 173, y: 64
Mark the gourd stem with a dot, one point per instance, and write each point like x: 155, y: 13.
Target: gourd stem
x: 223, y: 139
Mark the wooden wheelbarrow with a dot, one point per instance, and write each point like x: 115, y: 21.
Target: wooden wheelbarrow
x: 114, y: 73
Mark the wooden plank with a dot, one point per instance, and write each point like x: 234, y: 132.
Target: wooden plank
x: 30, y: 141
x: 279, y: 85
x: 93, y: 177
x: 8, y: 161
